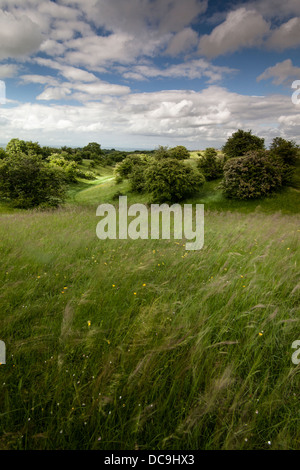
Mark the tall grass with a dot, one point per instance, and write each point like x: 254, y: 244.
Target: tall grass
x: 122, y: 344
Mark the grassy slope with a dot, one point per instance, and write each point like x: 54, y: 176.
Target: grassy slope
x: 102, y: 190
x: 184, y: 350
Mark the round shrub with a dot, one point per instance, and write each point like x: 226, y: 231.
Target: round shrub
x: 287, y: 150
x: 253, y: 176
x: 124, y: 168
x: 180, y: 152
x: 172, y: 181
x: 176, y: 153
x: 161, y: 152
x: 211, y: 165
x: 86, y: 175
x: 137, y: 177
x: 69, y: 167
x: 27, y: 181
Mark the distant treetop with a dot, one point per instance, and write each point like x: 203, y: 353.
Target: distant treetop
x: 242, y: 142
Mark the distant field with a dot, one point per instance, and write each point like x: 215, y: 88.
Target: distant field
x: 123, y: 344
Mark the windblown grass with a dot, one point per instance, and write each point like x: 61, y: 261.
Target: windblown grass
x: 143, y: 345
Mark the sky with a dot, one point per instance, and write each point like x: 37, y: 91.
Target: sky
x: 136, y: 74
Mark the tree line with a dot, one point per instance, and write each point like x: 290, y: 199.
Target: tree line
x: 32, y: 175
x: 248, y: 170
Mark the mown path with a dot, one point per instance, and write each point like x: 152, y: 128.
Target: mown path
x: 81, y: 192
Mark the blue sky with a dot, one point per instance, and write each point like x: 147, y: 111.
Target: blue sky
x: 143, y: 73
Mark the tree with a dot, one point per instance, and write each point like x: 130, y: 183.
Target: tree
x: 29, y: 182
x: 172, y: 181
x: 69, y: 167
x: 124, y: 168
x: 210, y: 164
x: 114, y: 157
x: 3, y: 154
x: 242, y: 142
x: 17, y: 146
x: 254, y: 175
x: 287, y: 150
x: 92, y: 151
x: 161, y: 152
x: 180, y: 152
x: 33, y: 148
x: 137, y: 177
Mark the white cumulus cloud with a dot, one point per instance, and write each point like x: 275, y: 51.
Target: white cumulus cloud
x: 198, y: 68
x: 18, y: 36
x: 242, y: 28
x: 286, y: 36
x: 282, y: 72
x: 8, y: 70
x: 182, y: 42
x: 192, y: 118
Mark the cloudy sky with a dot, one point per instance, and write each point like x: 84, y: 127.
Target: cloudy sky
x: 143, y: 73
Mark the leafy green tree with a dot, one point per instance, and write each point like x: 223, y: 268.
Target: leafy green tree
x: 242, y: 142
x: 92, y: 151
x: 33, y: 148
x: 124, y: 168
x: 17, y: 146
x: 180, y: 152
x: 3, y: 154
x: 77, y: 157
x: 137, y: 177
x: 114, y: 157
x: 69, y: 167
x: 28, y: 181
x: 68, y: 150
x: 171, y: 180
x: 287, y: 150
x: 86, y: 175
x: 47, y: 151
x: 210, y: 164
x: 161, y: 152
x: 254, y: 175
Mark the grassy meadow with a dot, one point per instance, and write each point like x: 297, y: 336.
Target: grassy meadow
x: 124, y: 345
